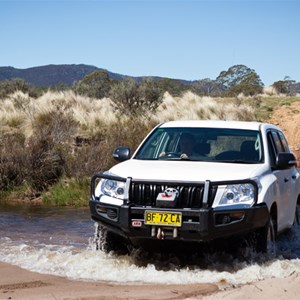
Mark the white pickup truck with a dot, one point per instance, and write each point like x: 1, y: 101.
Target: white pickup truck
x: 198, y: 181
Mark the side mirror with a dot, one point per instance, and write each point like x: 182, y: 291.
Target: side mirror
x: 121, y: 153
x: 285, y: 160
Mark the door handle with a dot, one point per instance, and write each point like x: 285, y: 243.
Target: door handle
x: 286, y: 179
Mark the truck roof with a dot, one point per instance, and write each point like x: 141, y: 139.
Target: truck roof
x: 217, y: 124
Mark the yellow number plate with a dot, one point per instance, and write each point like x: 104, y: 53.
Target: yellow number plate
x: 163, y: 218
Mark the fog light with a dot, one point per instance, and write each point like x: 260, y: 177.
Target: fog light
x: 222, y: 219
x: 225, y: 219
x: 112, y: 213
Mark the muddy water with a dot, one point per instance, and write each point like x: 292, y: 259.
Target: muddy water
x: 61, y: 242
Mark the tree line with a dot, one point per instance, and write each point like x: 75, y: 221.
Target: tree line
x: 230, y: 83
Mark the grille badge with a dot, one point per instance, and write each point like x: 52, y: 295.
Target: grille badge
x: 168, y: 198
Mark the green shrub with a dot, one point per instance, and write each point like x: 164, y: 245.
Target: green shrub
x: 68, y: 192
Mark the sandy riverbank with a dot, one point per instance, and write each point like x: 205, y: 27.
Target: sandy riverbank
x: 17, y: 283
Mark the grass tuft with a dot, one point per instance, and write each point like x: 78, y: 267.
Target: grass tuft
x: 68, y: 192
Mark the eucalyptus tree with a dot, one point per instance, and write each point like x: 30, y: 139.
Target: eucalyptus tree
x: 286, y: 86
x: 240, y: 79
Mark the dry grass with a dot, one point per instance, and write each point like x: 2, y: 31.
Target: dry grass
x: 20, y: 111
x: 88, y: 112
x: 193, y: 107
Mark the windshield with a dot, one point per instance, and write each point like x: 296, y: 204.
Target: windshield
x: 203, y: 144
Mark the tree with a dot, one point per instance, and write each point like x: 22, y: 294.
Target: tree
x: 206, y: 87
x: 240, y: 79
x: 173, y: 86
x: 285, y: 86
x: 96, y: 85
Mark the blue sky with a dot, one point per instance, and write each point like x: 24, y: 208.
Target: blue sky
x: 186, y: 39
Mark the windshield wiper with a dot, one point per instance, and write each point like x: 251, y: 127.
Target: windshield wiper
x: 237, y: 161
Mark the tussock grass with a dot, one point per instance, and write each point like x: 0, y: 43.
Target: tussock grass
x: 193, y: 107
x: 20, y: 111
x: 67, y: 192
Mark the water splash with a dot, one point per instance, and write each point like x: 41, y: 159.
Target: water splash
x: 78, y: 258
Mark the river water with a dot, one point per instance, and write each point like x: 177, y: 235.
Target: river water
x: 61, y: 242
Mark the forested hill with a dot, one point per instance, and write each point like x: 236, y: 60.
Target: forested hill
x: 57, y: 74
x: 51, y: 74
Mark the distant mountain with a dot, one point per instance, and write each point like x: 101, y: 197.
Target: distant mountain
x: 55, y: 74
x: 51, y: 74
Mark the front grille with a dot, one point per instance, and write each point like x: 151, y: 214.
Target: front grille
x: 190, y: 195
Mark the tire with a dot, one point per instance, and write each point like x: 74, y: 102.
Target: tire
x: 107, y: 241
x: 297, y: 218
x: 265, y: 239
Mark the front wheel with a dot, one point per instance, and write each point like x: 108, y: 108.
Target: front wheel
x: 107, y: 241
x: 265, y: 238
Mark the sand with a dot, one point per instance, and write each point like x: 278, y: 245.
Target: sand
x: 17, y: 283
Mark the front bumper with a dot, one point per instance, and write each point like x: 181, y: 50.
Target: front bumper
x: 198, y: 225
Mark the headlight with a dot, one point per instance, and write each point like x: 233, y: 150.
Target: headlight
x: 108, y: 188
x: 112, y: 188
x: 236, y: 194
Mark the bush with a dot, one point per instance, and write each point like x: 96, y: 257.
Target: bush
x: 95, y: 85
x: 8, y: 87
x: 95, y: 154
x: 50, y: 146
x: 41, y: 159
x: 133, y: 99
x: 13, y: 162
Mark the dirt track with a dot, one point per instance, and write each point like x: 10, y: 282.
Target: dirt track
x: 288, y: 119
